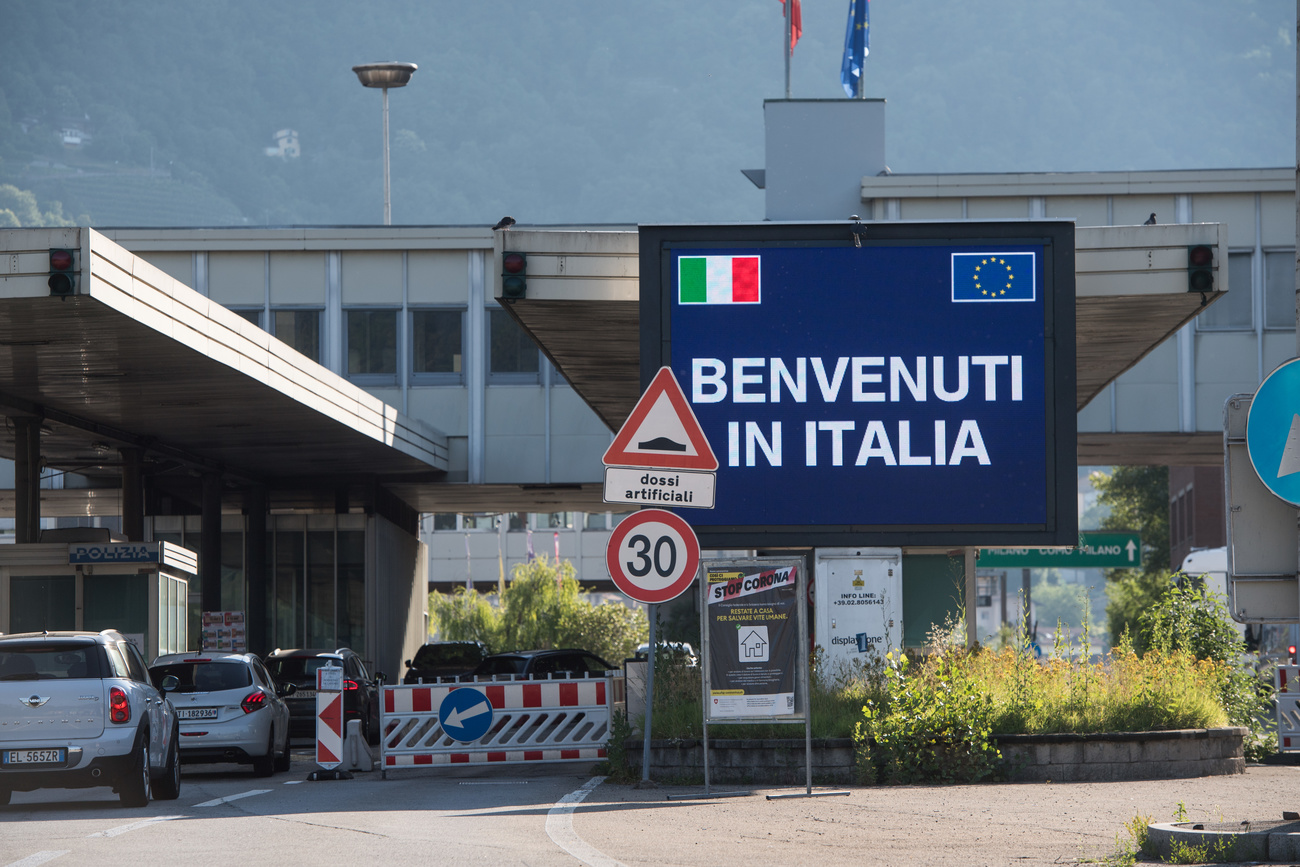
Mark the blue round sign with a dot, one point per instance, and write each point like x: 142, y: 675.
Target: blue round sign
x: 1273, y: 431
x: 465, y: 714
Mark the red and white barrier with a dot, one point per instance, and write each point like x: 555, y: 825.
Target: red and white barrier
x: 532, y: 721
x: 1286, y: 680
x: 329, y: 717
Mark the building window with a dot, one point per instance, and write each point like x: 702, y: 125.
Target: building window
x: 444, y: 521
x: 478, y: 521
x: 372, y: 342
x: 1279, y: 289
x: 559, y: 521
x: 437, y: 345
x: 1235, y: 310
x: 594, y: 521
x: 512, y: 355
x: 300, y: 329
x: 518, y: 522
x: 251, y: 314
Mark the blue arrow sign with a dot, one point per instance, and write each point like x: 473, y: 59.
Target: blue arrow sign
x: 465, y: 714
x: 1273, y: 431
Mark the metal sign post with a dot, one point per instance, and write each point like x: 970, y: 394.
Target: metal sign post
x: 659, y: 456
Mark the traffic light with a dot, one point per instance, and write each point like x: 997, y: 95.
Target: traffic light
x: 1291, y: 651
x: 1200, y: 268
x: 63, y: 274
x: 514, y: 275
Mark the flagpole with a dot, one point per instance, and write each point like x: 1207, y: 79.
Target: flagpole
x: 785, y: 49
x: 862, y: 72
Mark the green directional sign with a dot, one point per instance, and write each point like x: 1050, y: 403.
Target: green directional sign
x: 1095, y: 551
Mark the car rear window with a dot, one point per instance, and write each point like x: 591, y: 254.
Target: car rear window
x: 501, y: 665
x: 203, y: 676
x: 299, y: 667
x: 431, y: 655
x: 49, y: 661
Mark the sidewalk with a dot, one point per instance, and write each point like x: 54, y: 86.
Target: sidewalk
x: 989, y: 824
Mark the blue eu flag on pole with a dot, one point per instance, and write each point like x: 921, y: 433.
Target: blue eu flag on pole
x: 993, y: 277
x: 857, y: 45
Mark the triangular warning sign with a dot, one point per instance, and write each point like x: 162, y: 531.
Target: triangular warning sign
x: 662, y: 431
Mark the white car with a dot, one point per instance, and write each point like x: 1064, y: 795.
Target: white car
x: 230, y: 709
x: 78, y: 710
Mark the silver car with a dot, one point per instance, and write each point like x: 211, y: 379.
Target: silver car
x: 78, y: 710
x: 230, y: 709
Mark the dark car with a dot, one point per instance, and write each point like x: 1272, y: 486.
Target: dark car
x: 569, y: 663
x: 444, y: 659
x: 360, y: 689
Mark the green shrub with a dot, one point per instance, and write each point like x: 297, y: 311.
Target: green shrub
x: 931, y: 722
x: 1194, y: 620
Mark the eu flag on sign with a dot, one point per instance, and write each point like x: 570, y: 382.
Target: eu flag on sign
x: 993, y: 277
x: 857, y: 45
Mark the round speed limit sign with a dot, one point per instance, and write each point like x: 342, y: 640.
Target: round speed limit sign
x: 653, y: 556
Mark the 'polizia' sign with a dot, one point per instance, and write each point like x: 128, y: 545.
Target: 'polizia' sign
x: 915, y: 387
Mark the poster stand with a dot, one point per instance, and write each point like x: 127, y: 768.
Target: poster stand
x: 773, y: 596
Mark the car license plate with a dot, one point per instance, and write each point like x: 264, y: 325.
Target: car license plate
x: 304, y: 693
x: 33, y: 757
x: 197, y: 713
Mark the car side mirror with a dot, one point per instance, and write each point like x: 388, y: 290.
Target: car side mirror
x: 286, y: 689
x: 170, y: 683
x: 408, y: 663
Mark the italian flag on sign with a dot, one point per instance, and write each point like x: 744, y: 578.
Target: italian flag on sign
x: 718, y: 280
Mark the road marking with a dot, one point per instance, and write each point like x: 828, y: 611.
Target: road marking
x: 292, y: 782
x: 559, y: 827
x: 229, y: 798
x: 38, y: 858
x: 494, y: 782
x: 122, y: 829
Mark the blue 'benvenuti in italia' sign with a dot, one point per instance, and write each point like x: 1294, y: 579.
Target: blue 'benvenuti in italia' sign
x: 915, y: 387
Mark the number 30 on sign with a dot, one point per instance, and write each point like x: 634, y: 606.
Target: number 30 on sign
x: 653, y: 556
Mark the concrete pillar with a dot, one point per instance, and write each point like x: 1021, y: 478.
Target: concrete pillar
x: 27, y: 479
x: 132, y: 494
x: 210, y: 542
x: 258, y: 589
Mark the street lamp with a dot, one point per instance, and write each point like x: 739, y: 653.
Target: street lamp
x: 385, y: 75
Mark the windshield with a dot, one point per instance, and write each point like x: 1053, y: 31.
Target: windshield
x: 203, y: 676
x: 300, y: 667
x: 49, y: 662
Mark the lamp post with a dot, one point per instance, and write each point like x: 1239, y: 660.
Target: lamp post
x: 385, y: 75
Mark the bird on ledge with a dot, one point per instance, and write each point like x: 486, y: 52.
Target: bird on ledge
x: 506, y: 222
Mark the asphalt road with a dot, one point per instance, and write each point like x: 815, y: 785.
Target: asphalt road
x: 562, y: 815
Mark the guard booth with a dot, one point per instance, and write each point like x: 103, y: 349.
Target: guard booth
x: 138, y: 588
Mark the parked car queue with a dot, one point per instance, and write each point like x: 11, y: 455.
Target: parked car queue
x: 83, y: 709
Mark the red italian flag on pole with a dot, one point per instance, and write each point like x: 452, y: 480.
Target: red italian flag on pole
x: 718, y: 280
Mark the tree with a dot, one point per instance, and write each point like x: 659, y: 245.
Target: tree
x: 543, y: 607
x: 19, y: 209
x: 1138, y: 498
